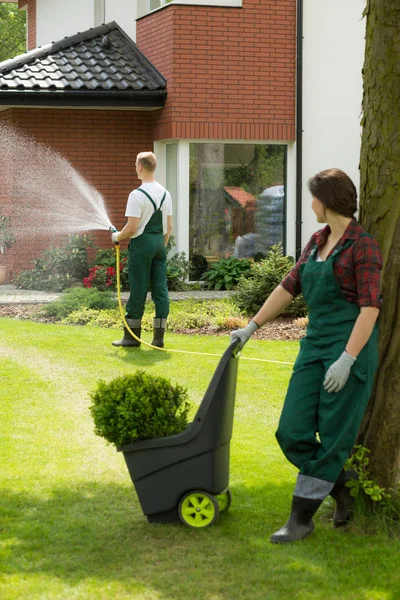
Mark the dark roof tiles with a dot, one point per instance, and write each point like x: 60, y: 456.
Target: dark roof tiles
x: 103, y: 58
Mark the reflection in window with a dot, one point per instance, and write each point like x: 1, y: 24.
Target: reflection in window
x: 237, y: 199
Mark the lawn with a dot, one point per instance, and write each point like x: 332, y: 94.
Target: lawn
x: 70, y: 523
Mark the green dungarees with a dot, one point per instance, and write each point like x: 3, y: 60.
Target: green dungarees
x: 147, y: 264
x: 308, y: 408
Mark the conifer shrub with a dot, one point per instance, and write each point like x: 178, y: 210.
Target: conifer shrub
x: 255, y: 287
x: 138, y: 407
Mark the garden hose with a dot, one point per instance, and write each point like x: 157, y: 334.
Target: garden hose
x: 121, y: 308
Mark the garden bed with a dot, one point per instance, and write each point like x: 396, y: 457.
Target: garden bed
x: 279, y: 329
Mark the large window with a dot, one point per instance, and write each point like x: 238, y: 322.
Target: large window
x: 237, y: 199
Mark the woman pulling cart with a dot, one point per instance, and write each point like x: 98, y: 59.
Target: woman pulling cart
x: 338, y: 274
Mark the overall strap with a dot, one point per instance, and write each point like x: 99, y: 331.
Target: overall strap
x: 149, y: 197
x: 162, y: 200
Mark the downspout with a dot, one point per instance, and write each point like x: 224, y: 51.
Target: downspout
x: 299, y: 126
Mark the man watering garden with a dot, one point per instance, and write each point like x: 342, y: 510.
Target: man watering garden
x: 149, y: 226
x: 338, y: 274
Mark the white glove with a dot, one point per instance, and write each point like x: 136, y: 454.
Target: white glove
x: 338, y: 373
x: 243, y: 335
x: 114, y: 237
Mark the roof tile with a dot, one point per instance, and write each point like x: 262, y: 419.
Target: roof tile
x: 103, y: 58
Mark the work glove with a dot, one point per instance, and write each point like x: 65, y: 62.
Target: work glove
x: 338, y: 373
x: 114, y: 237
x: 243, y: 335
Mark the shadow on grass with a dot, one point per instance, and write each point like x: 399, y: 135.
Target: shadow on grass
x: 140, y: 356
x: 98, y: 531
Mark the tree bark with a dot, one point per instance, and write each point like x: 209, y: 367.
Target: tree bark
x: 380, y: 216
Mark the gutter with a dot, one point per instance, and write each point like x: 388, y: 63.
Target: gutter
x: 299, y: 127
x: 144, y: 99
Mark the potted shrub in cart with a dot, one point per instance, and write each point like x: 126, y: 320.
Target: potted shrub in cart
x: 180, y: 470
x: 7, y: 239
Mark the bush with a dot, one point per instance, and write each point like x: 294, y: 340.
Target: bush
x: 138, y: 407
x: 58, y: 268
x: 78, y: 299
x: 254, y: 289
x: 225, y: 274
x: 198, y: 266
x: 103, y: 275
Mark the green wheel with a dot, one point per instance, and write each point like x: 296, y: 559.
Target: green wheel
x: 198, y: 509
x: 224, y: 500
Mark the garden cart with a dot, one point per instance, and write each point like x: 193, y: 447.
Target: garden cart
x: 185, y: 477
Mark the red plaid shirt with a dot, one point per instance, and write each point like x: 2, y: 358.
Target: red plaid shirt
x: 357, y: 268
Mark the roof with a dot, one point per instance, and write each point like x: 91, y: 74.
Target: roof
x: 243, y: 198
x: 101, y: 66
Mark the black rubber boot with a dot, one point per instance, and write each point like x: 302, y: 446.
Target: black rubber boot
x: 128, y: 341
x: 300, y: 523
x: 344, y: 502
x: 158, y: 332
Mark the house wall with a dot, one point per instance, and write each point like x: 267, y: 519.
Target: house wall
x: 30, y: 7
x: 333, y: 57
x: 57, y: 19
x: 102, y: 145
x: 230, y: 71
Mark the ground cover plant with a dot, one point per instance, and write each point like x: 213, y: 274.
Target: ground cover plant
x: 71, y: 525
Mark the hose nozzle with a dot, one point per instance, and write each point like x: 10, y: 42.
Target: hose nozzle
x: 112, y: 229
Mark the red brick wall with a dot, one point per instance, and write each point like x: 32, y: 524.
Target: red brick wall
x: 230, y: 71
x: 30, y: 7
x: 102, y: 145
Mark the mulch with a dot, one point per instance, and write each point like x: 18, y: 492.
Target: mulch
x: 280, y: 329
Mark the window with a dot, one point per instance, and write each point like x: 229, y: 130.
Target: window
x: 237, y: 199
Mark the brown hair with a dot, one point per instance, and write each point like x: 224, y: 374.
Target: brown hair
x: 335, y: 190
x: 147, y: 160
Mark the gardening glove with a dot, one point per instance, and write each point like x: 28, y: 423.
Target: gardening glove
x: 243, y: 335
x: 114, y: 237
x: 338, y: 373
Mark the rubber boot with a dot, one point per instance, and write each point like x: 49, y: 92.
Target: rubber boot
x: 300, y: 523
x: 344, y: 501
x: 158, y: 332
x: 128, y: 341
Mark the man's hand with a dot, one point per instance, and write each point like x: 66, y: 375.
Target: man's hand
x: 243, y: 335
x: 338, y: 373
x: 114, y: 237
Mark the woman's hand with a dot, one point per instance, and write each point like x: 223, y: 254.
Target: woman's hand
x: 338, y: 373
x: 243, y: 335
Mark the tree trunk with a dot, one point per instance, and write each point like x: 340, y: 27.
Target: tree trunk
x: 380, y: 216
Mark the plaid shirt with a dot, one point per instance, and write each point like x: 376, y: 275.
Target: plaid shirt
x: 357, y: 268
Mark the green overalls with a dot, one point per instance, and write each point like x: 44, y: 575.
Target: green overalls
x: 147, y: 263
x: 308, y: 408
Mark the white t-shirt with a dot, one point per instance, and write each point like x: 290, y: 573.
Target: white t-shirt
x: 140, y: 206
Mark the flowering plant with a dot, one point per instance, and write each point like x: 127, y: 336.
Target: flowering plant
x: 103, y: 277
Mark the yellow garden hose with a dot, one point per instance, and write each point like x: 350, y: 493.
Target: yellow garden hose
x: 121, y: 308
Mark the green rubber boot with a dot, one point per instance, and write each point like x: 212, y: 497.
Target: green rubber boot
x: 158, y: 332
x: 344, y: 502
x: 128, y: 341
x: 300, y: 523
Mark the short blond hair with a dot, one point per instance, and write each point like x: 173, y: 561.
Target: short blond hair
x: 147, y: 160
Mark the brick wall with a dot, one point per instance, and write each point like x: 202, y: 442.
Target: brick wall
x: 230, y: 71
x: 30, y: 7
x: 101, y: 145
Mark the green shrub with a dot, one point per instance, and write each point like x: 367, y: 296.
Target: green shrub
x: 103, y: 274
x: 78, y: 299
x: 198, y: 266
x: 58, y: 268
x: 7, y: 237
x: 138, y: 407
x: 255, y: 287
x: 225, y: 274
x: 177, y: 268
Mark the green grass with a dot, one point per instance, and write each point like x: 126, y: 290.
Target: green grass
x: 70, y: 523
